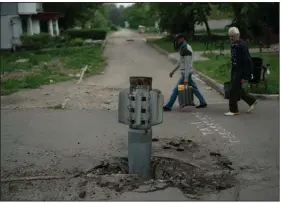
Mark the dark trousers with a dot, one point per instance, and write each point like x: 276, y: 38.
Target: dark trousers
x: 237, y: 92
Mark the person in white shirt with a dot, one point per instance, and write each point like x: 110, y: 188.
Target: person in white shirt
x: 185, y: 65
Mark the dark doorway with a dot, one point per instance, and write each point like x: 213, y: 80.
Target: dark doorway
x: 24, y: 25
x: 43, y: 26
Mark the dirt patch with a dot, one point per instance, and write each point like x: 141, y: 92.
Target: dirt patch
x: 58, y: 65
x: 55, y: 63
x: 112, y: 178
x: 15, y: 74
x: 172, y: 173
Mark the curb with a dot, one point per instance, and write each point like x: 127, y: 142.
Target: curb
x: 105, y: 64
x: 209, y: 81
x: 104, y: 44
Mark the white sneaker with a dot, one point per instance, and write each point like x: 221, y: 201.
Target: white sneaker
x: 231, y: 114
x: 252, y: 107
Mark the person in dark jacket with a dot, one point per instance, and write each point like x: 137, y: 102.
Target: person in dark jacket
x: 241, y: 72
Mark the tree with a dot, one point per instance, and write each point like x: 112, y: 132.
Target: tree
x: 251, y: 18
x: 99, y: 20
x: 177, y: 17
x: 116, y: 15
x: 112, y: 13
x: 138, y: 14
x: 181, y: 17
x: 200, y: 11
x: 73, y: 11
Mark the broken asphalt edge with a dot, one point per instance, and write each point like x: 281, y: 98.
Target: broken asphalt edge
x: 209, y: 81
x: 105, y: 63
x: 104, y: 44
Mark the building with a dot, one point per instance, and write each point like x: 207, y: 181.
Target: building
x: 126, y: 24
x: 141, y: 29
x: 25, y: 18
x: 157, y: 23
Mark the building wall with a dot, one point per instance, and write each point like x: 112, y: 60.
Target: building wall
x: 10, y: 8
x: 36, y: 26
x: 214, y: 24
x: 27, y: 8
x: 8, y: 31
x: 39, y: 7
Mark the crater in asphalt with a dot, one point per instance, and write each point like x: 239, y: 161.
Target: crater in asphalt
x: 165, y: 172
x: 195, y: 170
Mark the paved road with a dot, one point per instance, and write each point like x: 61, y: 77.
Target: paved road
x: 36, y: 141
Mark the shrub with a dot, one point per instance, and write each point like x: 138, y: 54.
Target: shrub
x: 77, y: 42
x: 64, y: 51
x: 152, y: 29
x: 94, y: 34
x: 57, y: 42
x: 113, y: 27
x: 37, y: 41
x: 34, y: 42
x: 42, y: 40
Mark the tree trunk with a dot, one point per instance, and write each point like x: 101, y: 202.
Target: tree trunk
x: 207, y: 28
x: 204, y: 18
x: 240, y: 22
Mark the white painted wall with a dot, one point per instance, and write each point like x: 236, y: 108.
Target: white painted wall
x: 27, y: 8
x: 157, y: 24
x: 36, y: 26
x: 214, y: 24
x: 6, y: 30
x: 57, y: 27
x: 50, y: 27
x: 126, y: 24
x: 18, y: 30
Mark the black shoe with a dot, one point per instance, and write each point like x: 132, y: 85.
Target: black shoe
x: 201, y: 106
x: 166, y: 108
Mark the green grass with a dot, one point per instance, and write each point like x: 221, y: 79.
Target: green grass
x: 214, y: 31
x: 13, y: 85
x: 220, y: 70
x: 45, y: 65
x: 167, y: 45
